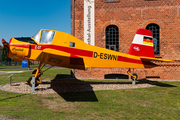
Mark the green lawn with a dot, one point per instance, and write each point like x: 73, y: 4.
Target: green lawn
x: 16, y: 66
x: 157, y: 103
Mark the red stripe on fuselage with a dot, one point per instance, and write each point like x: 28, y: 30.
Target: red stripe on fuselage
x: 22, y: 45
x: 74, y: 51
x: 125, y: 59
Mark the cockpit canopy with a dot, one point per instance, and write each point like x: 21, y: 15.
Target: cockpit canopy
x: 44, y: 36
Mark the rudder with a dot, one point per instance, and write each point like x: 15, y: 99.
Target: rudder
x: 142, y: 44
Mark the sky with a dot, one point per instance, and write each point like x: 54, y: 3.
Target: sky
x: 24, y: 18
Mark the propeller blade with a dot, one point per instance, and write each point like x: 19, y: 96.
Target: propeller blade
x: 5, y: 44
x: 3, y: 41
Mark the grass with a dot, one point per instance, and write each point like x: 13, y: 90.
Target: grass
x: 160, y: 102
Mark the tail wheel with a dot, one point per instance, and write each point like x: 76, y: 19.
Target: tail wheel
x: 135, y: 76
x: 30, y: 81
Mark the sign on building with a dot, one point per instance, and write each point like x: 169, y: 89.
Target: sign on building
x: 89, y: 22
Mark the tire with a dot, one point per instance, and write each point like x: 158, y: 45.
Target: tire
x: 135, y: 75
x: 30, y: 81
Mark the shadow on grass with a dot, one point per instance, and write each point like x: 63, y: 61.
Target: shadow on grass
x: 17, y: 96
x: 78, y: 90
x: 72, y: 89
x: 157, y: 83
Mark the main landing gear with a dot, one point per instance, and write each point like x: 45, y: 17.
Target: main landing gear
x: 133, y: 76
x: 37, y: 74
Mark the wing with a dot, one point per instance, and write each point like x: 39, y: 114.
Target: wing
x: 61, y: 59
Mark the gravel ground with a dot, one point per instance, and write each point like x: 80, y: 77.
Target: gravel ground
x: 59, y: 86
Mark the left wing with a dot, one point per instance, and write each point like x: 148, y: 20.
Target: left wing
x: 61, y: 59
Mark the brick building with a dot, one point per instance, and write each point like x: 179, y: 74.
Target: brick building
x: 121, y: 18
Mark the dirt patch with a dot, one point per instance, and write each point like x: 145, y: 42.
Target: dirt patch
x: 60, y: 86
x: 5, y: 118
x: 54, y: 102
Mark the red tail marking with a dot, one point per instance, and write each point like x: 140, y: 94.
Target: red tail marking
x: 138, y: 47
x: 144, y: 32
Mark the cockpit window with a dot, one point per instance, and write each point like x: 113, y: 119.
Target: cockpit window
x: 36, y: 36
x: 47, y: 36
x: 26, y: 39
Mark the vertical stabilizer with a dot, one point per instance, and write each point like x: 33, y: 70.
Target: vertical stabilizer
x: 142, y: 44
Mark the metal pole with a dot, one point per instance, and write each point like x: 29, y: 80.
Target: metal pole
x: 33, y: 83
x: 73, y: 20
x: 28, y: 64
x: 10, y: 78
x: 73, y: 35
x: 134, y: 81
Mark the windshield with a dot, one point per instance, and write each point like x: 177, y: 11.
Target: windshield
x: 36, y: 36
x: 47, y: 36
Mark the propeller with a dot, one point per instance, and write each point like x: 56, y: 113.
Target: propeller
x: 5, y: 45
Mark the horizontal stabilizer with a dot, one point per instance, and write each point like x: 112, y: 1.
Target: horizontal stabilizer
x: 155, y: 59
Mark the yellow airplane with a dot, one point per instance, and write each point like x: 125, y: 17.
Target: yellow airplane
x: 64, y: 50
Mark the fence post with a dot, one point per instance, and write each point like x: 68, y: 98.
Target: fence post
x: 10, y: 78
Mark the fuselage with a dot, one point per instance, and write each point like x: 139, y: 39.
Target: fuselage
x: 64, y: 50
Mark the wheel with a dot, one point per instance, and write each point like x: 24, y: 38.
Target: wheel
x: 30, y: 82
x: 135, y: 75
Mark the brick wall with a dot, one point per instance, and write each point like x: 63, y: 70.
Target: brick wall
x: 128, y: 16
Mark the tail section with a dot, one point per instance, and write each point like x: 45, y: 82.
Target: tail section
x: 142, y: 44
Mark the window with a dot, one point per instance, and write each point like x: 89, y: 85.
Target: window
x: 47, y: 36
x: 36, y: 36
x: 26, y: 39
x: 71, y: 44
x: 156, y: 37
x: 112, y: 37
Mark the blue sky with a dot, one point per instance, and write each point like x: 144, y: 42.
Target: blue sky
x: 24, y: 18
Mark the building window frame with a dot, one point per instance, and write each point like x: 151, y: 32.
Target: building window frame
x: 156, y: 36
x: 112, y: 37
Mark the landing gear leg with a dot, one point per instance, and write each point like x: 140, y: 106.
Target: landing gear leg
x: 37, y: 73
x: 133, y: 76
